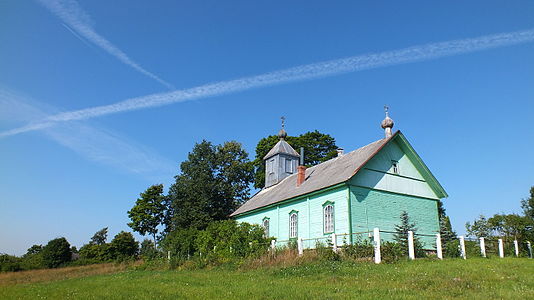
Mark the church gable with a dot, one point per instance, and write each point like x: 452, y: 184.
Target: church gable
x: 398, y: 168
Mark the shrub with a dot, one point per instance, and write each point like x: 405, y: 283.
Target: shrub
x: 181, y: 244
x: 148, y: 251
x: 359, y: 249
x: 123, y: 246
x: 325, y: 252
x: 451, y: 249
x: 56, y: 253
x: 391, y: 251
x: 9, y: 263
x: 220, y: 242
x: 96, y: 252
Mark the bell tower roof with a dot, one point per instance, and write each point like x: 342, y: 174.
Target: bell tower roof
x: 282, y: 146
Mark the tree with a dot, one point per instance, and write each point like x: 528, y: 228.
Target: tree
x: 214, y: 181
x: 528, y: 205
x: 56, y: 253
x: 401, y: 234
x: 318, y: 147
x: 480, y: 227
x: 149, y: 211
x: 34, y: 250
x: 100, y: 237
x: 445, y: 227
x: 124, y: 245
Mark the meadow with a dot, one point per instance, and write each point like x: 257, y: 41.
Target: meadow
x: 477, y: 278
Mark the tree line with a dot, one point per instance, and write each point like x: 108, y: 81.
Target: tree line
x: 509, y: 227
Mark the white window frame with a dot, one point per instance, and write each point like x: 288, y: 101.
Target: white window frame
x: 293, y: 225
x: 266, y: 223
x: 271, y: 166
x: 289, y: 166
x: 395, y: 166
x: 328, y: 218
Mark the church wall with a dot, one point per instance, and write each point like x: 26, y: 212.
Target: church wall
x: 374, y: 208
x: 310, y: 216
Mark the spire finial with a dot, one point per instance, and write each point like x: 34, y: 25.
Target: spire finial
x: 387, y: 123
x: 282, y: 133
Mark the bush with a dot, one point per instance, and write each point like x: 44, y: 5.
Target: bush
x: 56, y: 253
x: 123, y: 246
x: 95, y: 252
x: 148, y: 251
x: 181, y: 244
x: 451, y: 249
x: 220, y: 242
x: 325, y: 252
x: 391, y: 251
x: 9, y: 263
x: 225, y: 240
x: 359, y: 249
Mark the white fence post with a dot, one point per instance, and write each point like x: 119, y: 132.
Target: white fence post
x: 501, y: 249
x: 529, y: 246
x: 273, y: 246
x: 376, y: 237
x: 169, y: 255
x: 439, y: 251
x: 411, y: 251
x: 334, y: 242
x: 482, y: 247
x: 516, y: 248
x: 462, y: 247
x: 299, y: 246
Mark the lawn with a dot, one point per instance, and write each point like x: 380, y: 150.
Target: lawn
x: 508, y: 278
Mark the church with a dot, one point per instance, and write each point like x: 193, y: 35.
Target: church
x: 348, y: 195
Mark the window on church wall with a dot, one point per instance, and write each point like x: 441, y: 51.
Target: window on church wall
x: 328, y: 218
x: 270, y: 166
x: 293, y: 225
x: 266, y: 227
x: 395, y: 166
x: 289, y: 166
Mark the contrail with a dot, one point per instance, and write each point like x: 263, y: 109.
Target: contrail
x: 70, y: 12
x: 299, y: 73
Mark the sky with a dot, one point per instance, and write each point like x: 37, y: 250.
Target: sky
x: 101, y: 99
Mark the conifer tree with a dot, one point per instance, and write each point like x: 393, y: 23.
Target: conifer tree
x: 401, y: 235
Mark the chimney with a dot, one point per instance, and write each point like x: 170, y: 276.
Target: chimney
x: 301, y: 174
x: 301, y: 169
x: 340, y: 152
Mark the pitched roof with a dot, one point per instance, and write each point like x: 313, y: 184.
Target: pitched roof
x: 328, y: 173
x: 282, y: 147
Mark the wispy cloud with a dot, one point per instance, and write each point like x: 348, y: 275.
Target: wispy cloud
x: 93, y: 143
x: 81, y: 25
x: 300, y: 73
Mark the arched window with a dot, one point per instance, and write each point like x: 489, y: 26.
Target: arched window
x: 328, y: 218
x: 293, y: 225
x: 266, y: 227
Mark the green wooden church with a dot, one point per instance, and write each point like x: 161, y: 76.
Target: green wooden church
x: 350, y: 194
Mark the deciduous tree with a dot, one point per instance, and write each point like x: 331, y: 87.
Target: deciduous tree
x: 214, y: 181
x: 149, y: 211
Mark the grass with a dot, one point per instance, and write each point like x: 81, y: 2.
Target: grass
x: 508, y: 278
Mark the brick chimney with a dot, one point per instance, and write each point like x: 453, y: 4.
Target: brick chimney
x: 301, y: 174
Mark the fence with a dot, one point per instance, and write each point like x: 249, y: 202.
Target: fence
x: 373, y: 242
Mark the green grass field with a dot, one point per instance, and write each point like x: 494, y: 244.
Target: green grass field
x: 509, y: 278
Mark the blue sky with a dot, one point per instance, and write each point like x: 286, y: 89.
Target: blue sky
x: 469, y: 115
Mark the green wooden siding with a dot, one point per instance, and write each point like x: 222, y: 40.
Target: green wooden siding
x: 310, y: 215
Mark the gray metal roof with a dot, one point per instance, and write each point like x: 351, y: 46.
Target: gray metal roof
x: 328, y: 173
x: 281, y: 147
